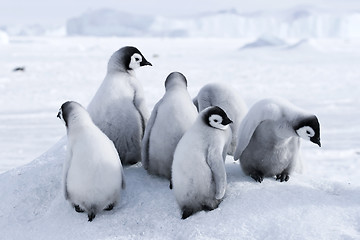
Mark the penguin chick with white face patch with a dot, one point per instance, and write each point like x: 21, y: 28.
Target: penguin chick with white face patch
x: 216, y: 94
x: 118, y: 107
x: 198, y: 170
x: 93, y: 174
x: 169, y: 120
x: 269, y: 138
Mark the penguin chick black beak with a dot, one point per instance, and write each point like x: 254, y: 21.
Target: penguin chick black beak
x: 58, y: 115
x: 316, y: 141
x: 227, y: 121
x: 145, y: 63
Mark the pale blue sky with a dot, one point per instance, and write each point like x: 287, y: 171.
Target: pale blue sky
x: 51, y: 12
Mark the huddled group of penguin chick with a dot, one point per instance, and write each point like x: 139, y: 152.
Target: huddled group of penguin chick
x: 185, y: 140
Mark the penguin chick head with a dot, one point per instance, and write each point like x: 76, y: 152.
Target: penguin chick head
x: 216, y: 117
x: 309, y: 129
x: 175, y: 78
x: 127, y: 58
x: 70, y: 111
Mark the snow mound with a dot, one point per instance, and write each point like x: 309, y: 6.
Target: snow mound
x: 4, y: 38
x: 33, y: 207
x: 303, y: 45
x: 266, y: 41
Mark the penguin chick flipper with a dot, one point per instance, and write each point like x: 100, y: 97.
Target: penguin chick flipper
x: 145, y: 143
x: 123, y: 182
x: 217, y: 166
x: 283, y: 177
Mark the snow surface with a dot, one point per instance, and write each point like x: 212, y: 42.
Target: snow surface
x: 4, y: 38
x: 265, y: 41
x: 321, y: 203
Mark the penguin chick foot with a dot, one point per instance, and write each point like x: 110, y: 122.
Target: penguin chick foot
x: 110, y: 207
x: 91, y: 216
x: 207, y: 208
x: 187, y: 212
x: 257, y: 176
x: 282, y: 177
x: 78, y: 209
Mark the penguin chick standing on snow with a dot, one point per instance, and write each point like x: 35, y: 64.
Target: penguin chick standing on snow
x: 118, y: 107
x: 198, y: 170
x: 216, y: 94
x: 170, y: 118
x: 93, y: 174
x: 269, y: 138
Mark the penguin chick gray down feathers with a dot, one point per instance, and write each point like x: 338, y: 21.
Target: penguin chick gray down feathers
x: 93, y: 174
x: 269, y: 138
x: 170, y: 118
x: 198, y: 170
x: 216, y: 94
x: 118, y: 107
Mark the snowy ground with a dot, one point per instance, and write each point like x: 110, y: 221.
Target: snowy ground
x: 320, y: 76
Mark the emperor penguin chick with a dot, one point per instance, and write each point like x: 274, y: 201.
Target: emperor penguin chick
x: 170, y: 118
x: 198, y: 170
x: 118, y: 107
x: 93, y: 174
x: 216, y: 94
x: 269, y: 138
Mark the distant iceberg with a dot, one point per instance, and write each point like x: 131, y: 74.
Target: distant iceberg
x: 294, y: 23
x: 299, y: 23
x: 35, y: 30
x: 107, y: 22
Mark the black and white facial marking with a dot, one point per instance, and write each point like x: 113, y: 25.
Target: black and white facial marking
x: 132, y: 58
x: 309, y: 129
x: 60, y: 116
x: 64, y: 112
x: 175, y: 76
x: 216, y: 117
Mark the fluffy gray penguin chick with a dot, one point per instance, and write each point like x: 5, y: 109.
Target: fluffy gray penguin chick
x: 118, y: 107
x: 169, y: 120
x: 92, y: 172
x: 198, y: 170
x: 269, y: 138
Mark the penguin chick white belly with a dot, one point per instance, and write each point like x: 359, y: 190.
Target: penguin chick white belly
x: 90, y: 182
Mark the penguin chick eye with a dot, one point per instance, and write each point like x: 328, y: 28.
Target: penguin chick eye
x: 137, y: 59
x: 308, y: 132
